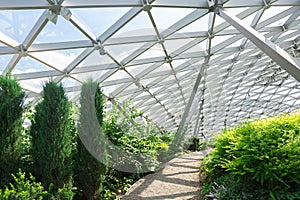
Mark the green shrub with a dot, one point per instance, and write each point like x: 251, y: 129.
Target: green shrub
x: 11, y: 109
x: 264, y: 152
x: 52, y: 135
x: 123, y: 130
x: 194, y: 144
x: 23, y: 188
x: 89, y: 172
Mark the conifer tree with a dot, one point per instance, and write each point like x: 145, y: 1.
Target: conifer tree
x: 11, y: 109
x: 89, y: 172
x: 51, y: 133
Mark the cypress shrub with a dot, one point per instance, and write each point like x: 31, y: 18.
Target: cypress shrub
x: 89, y: 172
x: 11, y: 109
x: 51, y: 133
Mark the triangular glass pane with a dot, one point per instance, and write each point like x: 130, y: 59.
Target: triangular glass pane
x: 220, y: 39
x: 119, y: 52
x: 95, y: 59
x: 17, y: 23
x: 4, y: 60
x: 110, y: 89
x: 219, y: 20
x: 140, y: 25
x: 62, y: 31
x: 279, y: 22
x: 198, y: 25
x: 89, y: 75
x: 120, y: 74
x: 105, y: 18
x: 30, y: 65
x: 248, y: 20
x: 34, y: 85
x: 166, y: 17
x: 58, y: 59
x: 69, y: 82
x: 173, y: 45
x: 272, y: 11
x: 135, y: 70
x: 153, y: 52
x: 73, y: 95
x: 164, y: 67
x: 148, y: 81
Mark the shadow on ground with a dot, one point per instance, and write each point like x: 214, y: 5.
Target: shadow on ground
x: 178, y: 179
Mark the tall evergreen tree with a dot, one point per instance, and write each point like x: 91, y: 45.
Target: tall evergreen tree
x: 11, y: 109
x: 89, y: 172
x: 51, y: 133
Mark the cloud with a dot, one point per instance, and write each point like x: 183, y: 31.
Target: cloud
x: 55, y: 59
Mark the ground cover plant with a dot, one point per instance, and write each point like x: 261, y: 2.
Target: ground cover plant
x: 256, y: 160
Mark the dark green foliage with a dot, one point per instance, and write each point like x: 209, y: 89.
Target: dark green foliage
x: 265, y: 153
x: 89, y: 172
x: 51, y: 134
x: 11, y: 98
x: 194, y: 144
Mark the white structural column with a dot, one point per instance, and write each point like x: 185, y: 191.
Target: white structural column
x: 281, y: 57
x: 193, y: 94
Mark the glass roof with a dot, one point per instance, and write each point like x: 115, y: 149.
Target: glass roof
x: 155, y: 51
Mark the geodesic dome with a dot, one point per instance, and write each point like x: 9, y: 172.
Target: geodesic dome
x: 208, y: 64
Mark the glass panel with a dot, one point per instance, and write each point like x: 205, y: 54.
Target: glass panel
x: 17, y: 23
x: 28, y: 65
x: 62, y: 31
x: 165, y: 17
x: 58, y: 59
x: 35, y: 85
x: 98, y: 20
x: 198, y: 25
x: 138, y: 26
x: 4, y: 60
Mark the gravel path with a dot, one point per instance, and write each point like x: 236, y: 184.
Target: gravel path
x: 178, y: 179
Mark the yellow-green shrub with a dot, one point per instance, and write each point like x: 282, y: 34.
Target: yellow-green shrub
x: 265, y: 152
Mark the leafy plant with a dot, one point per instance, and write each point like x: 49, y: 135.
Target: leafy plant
x: 11, y: 109
x: 264, y: 153
x: 23, y: 188
x: 51, y: 134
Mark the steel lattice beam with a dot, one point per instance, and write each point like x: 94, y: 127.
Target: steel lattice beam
x: 281, y: 57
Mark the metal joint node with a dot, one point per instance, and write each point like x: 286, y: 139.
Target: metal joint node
x: 122, y: 67
x: 161, y: 40
x: 168, y: 59
x: 23, y: 52
x: 267, y: 5
x: 283, y: 28
x: 57, y: 9
x: 210, y: 36
x: 137, y: 83
x: 98, y: 46
x: 65, y: 72
x: 146, y: 5
x: 146, y: 89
